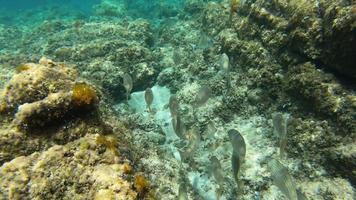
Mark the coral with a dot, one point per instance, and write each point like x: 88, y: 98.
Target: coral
x: 83, y: 94
x: 126, y: 168
x: 22, y: 67
x: 3, y: 106
x: 110, y: 143
x: 234, y: 5
x: 141, y: 184
x: 101, y: 50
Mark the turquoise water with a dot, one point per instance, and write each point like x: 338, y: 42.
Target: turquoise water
x: 59, y: 9
x: 207, y: 100
x: 77, y: 9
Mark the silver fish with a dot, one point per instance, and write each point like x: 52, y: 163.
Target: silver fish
x: 217, y: 170
x: 173, y: 105
x: 149, y: 98
x: 128, y: 84
x: 280, y: 123
x: 225, y: 67
x: 204, y: 41
x: 193, y: 137
x: 236, y: 163
x: 224, y: 62
x: 239, y: 151
x: 203, y: 95
x: 179, y: 126
x: 238, y: 142
x: 182, y: 192
x: 282, y: 179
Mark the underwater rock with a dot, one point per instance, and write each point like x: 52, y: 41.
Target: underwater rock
x: 320, y: 31
x: 322, y: 93
x: 43, y: 105
x: 101, y: 50
x: 310, y: 138
x: 33, y: 82
x: 77, y: 170
x: 338, y: 39
x: 43, y: 93
x: 41, y: 113
x: 215, y: 12
x: 342, y: 160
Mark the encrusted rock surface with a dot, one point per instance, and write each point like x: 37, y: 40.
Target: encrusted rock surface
x: 40, y: 96
x: 44, y: 93
x: 82, y: 169
x: 34, y: 82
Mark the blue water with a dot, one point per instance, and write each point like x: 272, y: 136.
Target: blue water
x: 18, y: 5
x: 69, y: 9
x: 25, y: 12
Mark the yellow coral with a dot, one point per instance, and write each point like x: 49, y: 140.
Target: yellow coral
x: 83, y: 94
x: 3, y: 106
x: 21, y: 68
x: 110, y: 142
x: 126, y: 168
x: 234, y: 4
x: 141, y: 184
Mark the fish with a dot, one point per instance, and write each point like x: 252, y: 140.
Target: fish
x: 182, y: 192
x: 225, y: 67
x: 193, y: 137
x: 282, y: 179
x: 202, y: 96
x: 239, y: 152
x: 204, y: 41
x: 179, y: 126
x: 148, y: 98
x: 238, y: 142
x: 217, y: 171
x: 128, y: 84
x: 224, y: 62
x: 280, y: 123
x: 173, y: 105
x: 236, y: 164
